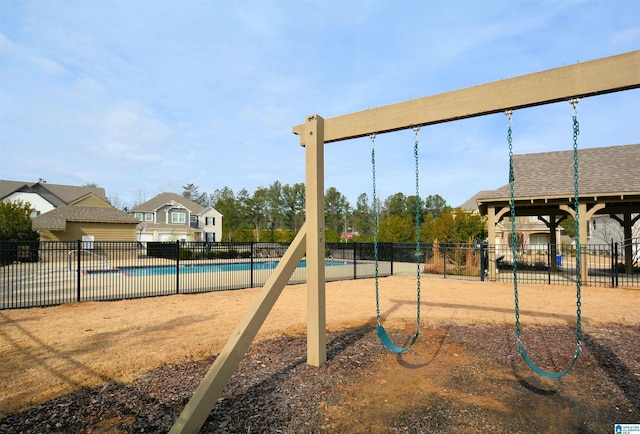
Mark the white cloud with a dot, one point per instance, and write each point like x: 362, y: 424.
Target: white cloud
x: 130, y: 134
x: 627, y: 36
x: 151, y: 95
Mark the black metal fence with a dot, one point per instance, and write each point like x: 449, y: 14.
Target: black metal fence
x: 50, y: 273
x: 607, y: 264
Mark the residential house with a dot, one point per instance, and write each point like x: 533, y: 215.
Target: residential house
x: 171, y: 217
x: 71, y: 213
x: 88, y: 218
x: 44, y: 197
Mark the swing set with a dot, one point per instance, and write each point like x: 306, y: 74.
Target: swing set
x: 512, y: 207
x: 596, y: 77
x: 382, y: 333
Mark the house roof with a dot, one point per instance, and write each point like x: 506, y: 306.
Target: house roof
x: 8, y: 187
x: 471, y: 204
x: 64, y: 193
x: 602, y: 171
x: 57, y: 219
x: 164, y: 198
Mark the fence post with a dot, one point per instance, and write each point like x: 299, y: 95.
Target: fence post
x: 177, y: 266
x: 251, y: 266
x: 78, y: 271
x: 355, y: 269
x: 549, y: 259
x: 444, y: 261
x: 611, y: 263
x: 392, y: 250
x: 615, y: 265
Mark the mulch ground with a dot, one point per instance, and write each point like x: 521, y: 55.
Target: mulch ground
x: 457, y: 378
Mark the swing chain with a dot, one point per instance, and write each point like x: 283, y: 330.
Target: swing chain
x: 576, y: 186
x: 509, y: 114
x: 417, y: 201
x: 532, y: 365
x: 375, y: 223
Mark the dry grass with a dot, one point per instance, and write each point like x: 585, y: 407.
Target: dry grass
x: 53, y: 351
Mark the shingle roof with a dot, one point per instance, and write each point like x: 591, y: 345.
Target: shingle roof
x: 66, y: 193
x: 57, y: 219
x: 471, y: 204
x: 602, y: 171
x: 164, y: 198
x: 8, y: 187
x: 69, y: 193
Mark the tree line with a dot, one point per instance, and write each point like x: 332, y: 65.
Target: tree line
x: 276, y: 213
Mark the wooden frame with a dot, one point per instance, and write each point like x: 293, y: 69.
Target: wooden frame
x: 606, y: 75
x: 596, y: 77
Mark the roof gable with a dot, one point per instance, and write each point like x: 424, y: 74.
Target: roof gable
x: 86, y: 208
x: 57, y: 194
x: 57, y: 219
x: 90, y: 199
x: 169, y: 198
x: 9, y: 187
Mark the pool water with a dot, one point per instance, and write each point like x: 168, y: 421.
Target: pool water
x: 159, y: 270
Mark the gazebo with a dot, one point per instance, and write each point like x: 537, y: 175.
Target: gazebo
x: 609, y: 183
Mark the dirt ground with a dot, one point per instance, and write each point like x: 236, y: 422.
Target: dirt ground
x: 67, y: 368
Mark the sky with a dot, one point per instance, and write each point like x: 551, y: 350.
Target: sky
x: 146, y: 96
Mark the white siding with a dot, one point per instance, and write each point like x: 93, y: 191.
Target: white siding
x: 35, y: 200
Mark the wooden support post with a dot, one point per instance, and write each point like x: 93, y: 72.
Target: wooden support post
x: 316, y: 311
x: 552, y: 224
x: 206, y: 395
x: 584, y: 240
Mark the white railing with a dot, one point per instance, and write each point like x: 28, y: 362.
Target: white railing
x: 103, y: 264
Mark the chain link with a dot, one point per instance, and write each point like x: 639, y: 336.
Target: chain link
x: 375, y: 223
x: 576, y: 188
x: 576, y: 132
x: 512, y: 203
x: 418, y: 220
x: 417, y: 217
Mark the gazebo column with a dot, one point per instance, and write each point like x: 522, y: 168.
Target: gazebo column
x: 627, y: 225
x: 493, y: 218
x: 583, y: 240
x: 584, y: 221
x: 491, y: 234
x: 552, y: 224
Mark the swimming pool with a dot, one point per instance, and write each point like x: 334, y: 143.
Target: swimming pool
x: 159, y: 270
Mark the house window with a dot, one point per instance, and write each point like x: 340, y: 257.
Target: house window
x: 538, y: 241
x: 148, y: 217
x: 178, y: 217
x: 138, y: 215
x: 194, y: 219
x: 211, y: 221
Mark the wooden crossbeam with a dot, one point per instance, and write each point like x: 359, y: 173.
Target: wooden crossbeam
x: 595, y: 77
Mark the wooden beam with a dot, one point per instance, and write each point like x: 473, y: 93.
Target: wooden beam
x: 595, y: 77
x: 206, y: 395
x: 316, y: 311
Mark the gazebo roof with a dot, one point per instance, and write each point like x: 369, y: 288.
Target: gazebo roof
x: 548, y: 177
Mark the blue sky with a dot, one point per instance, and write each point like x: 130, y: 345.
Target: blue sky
x: 146, y: 96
